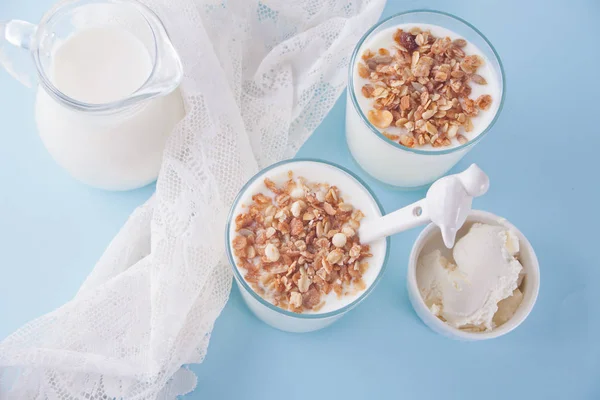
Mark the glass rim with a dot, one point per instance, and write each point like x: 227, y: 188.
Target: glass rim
x: 69, y: 101
x: 398, y: 145
x: 240, y: 279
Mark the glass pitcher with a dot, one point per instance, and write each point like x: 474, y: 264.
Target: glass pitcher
x: 107, y: 75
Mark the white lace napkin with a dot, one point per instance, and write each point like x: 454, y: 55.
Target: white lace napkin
x: 259, y: 78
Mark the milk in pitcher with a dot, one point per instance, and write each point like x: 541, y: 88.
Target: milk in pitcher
x: 113, y: 150
x: 107, y: 78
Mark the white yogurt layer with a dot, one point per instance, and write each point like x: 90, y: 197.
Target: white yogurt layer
x: 385, y: 39
x: 351, y: 191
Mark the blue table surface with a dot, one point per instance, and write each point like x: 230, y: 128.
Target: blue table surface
x: 541, y: 156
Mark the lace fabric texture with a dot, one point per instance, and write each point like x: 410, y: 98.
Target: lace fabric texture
x: 259, y: 78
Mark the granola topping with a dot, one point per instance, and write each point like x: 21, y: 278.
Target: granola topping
x: 299, y: 243
x: 422, y: 86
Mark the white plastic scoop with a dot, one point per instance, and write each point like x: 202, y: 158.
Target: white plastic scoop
x: 447, y: 204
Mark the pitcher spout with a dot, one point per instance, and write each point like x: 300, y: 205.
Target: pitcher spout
x: 167, y: 72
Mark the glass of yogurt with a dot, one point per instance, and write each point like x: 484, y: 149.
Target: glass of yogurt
x: 332, y: 306
x: 377, y: 133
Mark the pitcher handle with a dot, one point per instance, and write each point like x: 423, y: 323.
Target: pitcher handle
x: 16, y: 46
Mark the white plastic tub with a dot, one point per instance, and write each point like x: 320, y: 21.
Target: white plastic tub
x: 530, y: 287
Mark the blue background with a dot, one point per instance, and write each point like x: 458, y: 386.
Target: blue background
x: 542, y: 157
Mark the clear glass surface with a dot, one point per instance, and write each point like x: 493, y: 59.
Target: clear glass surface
x: 246, y: 286
x: 448, y: 21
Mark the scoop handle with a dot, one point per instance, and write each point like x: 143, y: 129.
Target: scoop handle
x: 400, y: 220
x: 447, y: 204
